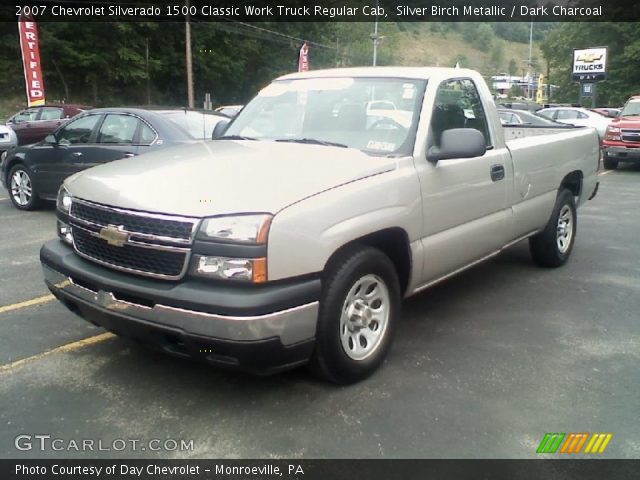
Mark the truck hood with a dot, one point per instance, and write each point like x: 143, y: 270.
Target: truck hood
x: 626, y: 122
x: 224, y: 177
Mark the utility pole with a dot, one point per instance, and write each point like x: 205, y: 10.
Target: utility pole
x: 187, y: 40
x: 530, y: 53
x: 146, y: 54
x: 375, y: 37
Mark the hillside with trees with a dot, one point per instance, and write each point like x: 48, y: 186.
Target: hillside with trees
x: 144, y: 63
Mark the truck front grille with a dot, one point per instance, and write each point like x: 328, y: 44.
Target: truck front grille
x: 150, y: 244
x: 129, y: 257
x: 629, y: 135
x: 159, y: 226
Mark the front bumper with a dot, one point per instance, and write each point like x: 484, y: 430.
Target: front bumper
x: 255, y: 328
x: 622, y: 154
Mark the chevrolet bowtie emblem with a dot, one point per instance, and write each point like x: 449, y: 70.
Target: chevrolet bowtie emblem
x: 114, y: 235
x: 589, y: 57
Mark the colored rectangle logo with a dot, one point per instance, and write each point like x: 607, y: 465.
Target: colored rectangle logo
x: 573, y: 443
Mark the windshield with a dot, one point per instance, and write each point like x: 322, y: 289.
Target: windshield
x: 198, y: 125
x: 375, y: 115
x: 631, y: 109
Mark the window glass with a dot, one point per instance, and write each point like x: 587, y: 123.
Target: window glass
x: 567, y: 115
x: 196, y: 124
x: 147, y: 135
x: 78, y: 131
x: 376, y: 115
x: 582, y: 115
x: 118, y: 129
x: 458, y: 105
x: 631, y: 109
x: 51, y: 113
x: 28, y: 115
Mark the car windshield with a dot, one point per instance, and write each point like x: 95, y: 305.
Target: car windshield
x: 631, y: 109
x: 198, y: 125
x: 375, y: 115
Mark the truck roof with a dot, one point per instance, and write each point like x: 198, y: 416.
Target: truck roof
x: 420, y: 73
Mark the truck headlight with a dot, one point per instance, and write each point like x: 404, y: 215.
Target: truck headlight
x: 64, y: 200
x: 237, y: 228
x: 223, y: 268
x: 613, y: 129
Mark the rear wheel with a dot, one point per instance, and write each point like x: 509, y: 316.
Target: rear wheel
x: 359, y: 307
x: 21, y: 191
x: 552, y: 247
x: 610, y: 163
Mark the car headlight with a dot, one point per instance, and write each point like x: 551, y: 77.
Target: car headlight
x: 224, y: 268
x: 253, y: 229
x: 613, y: 130
x: 64, y: 200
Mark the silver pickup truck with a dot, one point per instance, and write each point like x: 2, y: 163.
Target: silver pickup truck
x: 293, y: 237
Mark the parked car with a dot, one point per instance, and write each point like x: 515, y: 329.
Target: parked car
x: 294, y: 236
x: 35, y: 172
x: 621, y: 142
x: 521, y: 117
x: 8, y: 139
x: 607, y: 112
x: 577, y: 116
x: 229, y: 110
x: 33, y: 124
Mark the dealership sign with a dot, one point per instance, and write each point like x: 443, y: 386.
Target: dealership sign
x: 31, y: 62
x: 590, y: 64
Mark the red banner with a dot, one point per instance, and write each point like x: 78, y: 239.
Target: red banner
x: 31, y: 61
x: 303, y: 58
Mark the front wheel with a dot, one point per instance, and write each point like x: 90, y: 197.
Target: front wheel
x: 359, y: 308
x: 552, y: 246
x: 21, y: 191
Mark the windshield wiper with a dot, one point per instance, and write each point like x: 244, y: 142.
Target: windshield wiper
x: 312, y: 141
x: 630, y: 115
x: 235, y: 137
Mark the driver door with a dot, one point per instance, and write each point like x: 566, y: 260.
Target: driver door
x: 465, y: 210
x: 66, y: 157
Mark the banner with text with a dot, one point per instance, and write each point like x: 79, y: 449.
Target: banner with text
x: 31, y: 61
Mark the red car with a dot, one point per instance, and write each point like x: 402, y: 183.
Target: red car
x: 621, y: 141
x: 33, y: 124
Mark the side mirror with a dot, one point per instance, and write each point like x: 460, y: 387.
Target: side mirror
x: 219, y: 129
x: 50, y: 139
x: 458, y: 143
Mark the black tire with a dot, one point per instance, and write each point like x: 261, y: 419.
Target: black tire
x: 330, y: 359
x: 610, y: 163
x: 546, y: 247
x: 33, y: 201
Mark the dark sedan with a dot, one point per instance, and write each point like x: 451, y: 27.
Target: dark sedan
x: 35, y: 172
x: 33, y: 124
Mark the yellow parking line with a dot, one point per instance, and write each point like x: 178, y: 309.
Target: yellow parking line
x: 605, y: 173
x: 70, y: 347
x: 4, y: 198
x: 27, y: 303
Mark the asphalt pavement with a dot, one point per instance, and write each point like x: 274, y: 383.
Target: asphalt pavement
x: 483, y: 365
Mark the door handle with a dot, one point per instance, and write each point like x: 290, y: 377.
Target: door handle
x: 497, y: 172
x: 129, y: 154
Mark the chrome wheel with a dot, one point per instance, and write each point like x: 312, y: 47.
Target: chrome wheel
x: 21, y: 188
x: 365, y: 316
x: 565, y: 229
